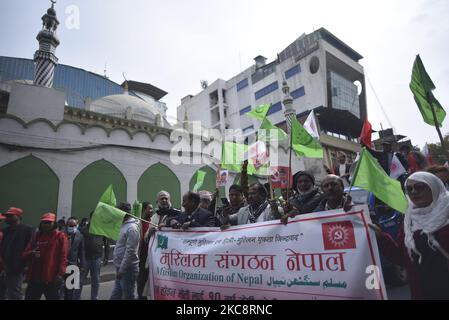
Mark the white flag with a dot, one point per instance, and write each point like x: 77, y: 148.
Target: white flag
x: 310, y: 125
x: 396, y: 167
x: 257, y: 154
x: 425, y: 150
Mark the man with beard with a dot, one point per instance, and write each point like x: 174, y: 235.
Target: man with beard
x: 259, y: 208
x: 306, y: 199
x: 157, y: 221
x: 193, y: 216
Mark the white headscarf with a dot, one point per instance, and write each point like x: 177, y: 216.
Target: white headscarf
x: 428, y: 219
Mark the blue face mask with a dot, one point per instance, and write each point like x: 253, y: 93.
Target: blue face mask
x: 72, y: 229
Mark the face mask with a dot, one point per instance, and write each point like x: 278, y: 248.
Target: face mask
x: 71, y: 229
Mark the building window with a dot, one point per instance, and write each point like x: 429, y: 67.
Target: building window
x: 298, y: 93
x: 242, y: 84
x: 291, y: 72
x: 344, y: 94
x: 268, y: 89
x: 335, y: 92
x: 275, y: 108
x: 245, y: 110
x: 248, y: 129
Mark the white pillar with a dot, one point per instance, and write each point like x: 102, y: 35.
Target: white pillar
x: 131, y: 187
x: 65, y: 194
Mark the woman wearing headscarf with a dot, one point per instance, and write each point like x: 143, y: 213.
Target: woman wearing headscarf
x: 307, y: 196
x: 423, y: 243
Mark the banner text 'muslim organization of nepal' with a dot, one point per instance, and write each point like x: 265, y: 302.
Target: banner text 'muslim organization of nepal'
x: 325, y: 255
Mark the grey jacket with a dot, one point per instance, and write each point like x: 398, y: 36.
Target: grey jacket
x: 127, y: 246
x: 242, y: 217
x: 76, y: 255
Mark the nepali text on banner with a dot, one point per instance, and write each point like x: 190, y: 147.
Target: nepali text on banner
x: 325, y: 255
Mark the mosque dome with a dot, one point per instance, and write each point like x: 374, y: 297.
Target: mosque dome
x: 127, y: 107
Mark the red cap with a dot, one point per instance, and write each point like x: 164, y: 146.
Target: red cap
x: 49, y: 217
x: 12, y: 211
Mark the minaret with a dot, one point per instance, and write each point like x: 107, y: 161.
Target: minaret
x: 45, y: 60
x: 289, y: 111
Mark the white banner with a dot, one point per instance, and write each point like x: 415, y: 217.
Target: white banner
x: 325, y: 255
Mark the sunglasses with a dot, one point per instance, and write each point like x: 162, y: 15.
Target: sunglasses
x: 418, y: 187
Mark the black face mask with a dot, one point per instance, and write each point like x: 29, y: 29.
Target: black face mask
x: 11, y: 222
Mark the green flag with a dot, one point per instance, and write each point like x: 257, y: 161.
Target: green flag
x: 303, y: 143
x: 269, y: 132
x: 369, y: 175
x: 260, y: 112
x: 137, y: 209
x: 232, y: 155
x: 200, y: 175
x: 106, y: 221
x: 422, y: 86
x: 108, y: 197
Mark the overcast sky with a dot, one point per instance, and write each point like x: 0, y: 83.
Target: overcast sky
x: 173, y: 44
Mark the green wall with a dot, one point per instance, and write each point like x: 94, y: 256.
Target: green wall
x: 156, y: 178
x: 90, y: 184
x: 31, y: 185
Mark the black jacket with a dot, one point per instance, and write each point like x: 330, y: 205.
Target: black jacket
x: 199, y: 218
x: 306, y: 203
x: 93, y: 245
x: 15, y: 240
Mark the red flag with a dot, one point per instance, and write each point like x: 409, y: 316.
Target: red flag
x: 365, y: 135
x: 279, y: 177
x: 412, y: 164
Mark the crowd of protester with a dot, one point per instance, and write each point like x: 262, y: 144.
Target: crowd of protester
x: 40, y: 256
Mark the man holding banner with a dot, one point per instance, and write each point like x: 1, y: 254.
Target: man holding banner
x: 193, y: 215
x: 334, y: 195
x: 307, y: 196
x: 259, y: 209
x: 317, y: 256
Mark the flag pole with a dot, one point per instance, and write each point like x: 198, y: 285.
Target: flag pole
x: 437, y: 127
x: 289, y: 166
x: 143, y: 220
x: 270, y: 183
x: 356, y: 171
x: 289, y: 114
x: 217, y: 191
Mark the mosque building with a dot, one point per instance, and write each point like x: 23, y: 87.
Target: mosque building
x: 66, y: 134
